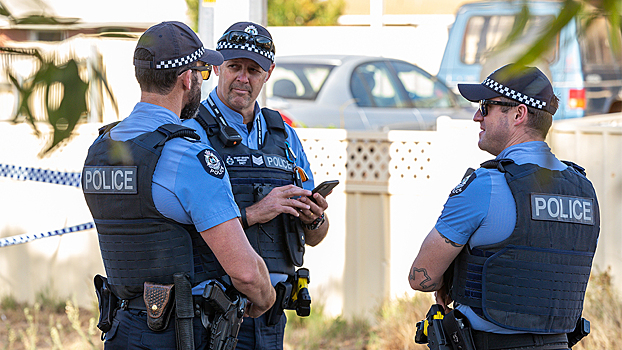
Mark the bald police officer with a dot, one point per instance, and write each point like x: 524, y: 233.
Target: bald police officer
x: 163, y: 206
x: 521, y: 230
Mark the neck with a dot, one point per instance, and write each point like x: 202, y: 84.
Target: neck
x: 171, y: 101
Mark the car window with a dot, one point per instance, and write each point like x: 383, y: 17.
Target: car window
x: 297, y: 81
x: 596, y: 45
x: 484, y: 33
x: 423, y: 90
x: 372, y: 85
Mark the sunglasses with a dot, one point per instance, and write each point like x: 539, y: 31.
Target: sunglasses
x: 483, y: 105
x: 205, y: 69
x: 237, y: 37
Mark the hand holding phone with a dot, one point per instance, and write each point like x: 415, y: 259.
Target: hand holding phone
x: 324, y: 188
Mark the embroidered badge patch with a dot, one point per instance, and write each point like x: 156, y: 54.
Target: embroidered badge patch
x: 258, y: 161
x: 469, y: 176
x: 212, y: 163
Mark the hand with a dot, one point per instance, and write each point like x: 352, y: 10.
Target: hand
x: 251, y: 311
x: 315, y: 210
x: 443, y: 299
x: 280, y: 200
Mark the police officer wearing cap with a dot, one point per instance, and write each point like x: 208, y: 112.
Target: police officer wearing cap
x: 163, y: 206
x: 269, y: 171
x: 514, y: 244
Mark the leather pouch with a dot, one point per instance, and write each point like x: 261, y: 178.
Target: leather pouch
x: 159, y: 300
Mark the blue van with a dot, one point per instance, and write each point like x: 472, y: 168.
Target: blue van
x: 585, y: 72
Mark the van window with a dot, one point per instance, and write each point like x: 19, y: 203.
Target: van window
x: 596, y: 45
x: 484, y: 33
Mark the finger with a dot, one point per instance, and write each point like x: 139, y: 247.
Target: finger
x: 320, y: 201
x: 296, y: 204
x: 295, y: 191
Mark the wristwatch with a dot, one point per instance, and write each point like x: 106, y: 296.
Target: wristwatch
x: 315, y: 224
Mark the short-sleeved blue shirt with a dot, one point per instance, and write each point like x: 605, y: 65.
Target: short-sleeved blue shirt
x: 183, y: 190
x: 250, y: 138
x: 484, y: 212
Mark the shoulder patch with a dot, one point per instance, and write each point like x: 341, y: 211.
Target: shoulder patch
x: 466, y: 180
x: 212, y: 163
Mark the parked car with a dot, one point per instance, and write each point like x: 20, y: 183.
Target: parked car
x: 586, y: 73
x: 359, y: 93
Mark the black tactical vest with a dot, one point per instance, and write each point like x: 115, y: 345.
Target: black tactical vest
x: 253, y: 174
x: 535, y: 280
x: 138, y: 243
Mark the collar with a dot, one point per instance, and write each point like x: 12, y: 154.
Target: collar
x: 145, y: 117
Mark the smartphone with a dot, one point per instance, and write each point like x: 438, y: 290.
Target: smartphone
x: 324, y: 188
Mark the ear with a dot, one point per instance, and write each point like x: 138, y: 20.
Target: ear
x: 216, y: 70
x: 269, y: 72
x: 521, y: 115
x: 186, y: 79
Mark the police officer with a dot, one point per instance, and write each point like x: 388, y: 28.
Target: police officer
x: 269, y: 171
x: 163, y: 205
x: 521, y: 230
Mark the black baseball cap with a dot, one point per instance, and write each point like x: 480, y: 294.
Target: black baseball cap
x: 231, y: 49
x: 527, y: 85
x: 173, y: 44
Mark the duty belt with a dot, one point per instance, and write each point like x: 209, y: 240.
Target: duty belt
x: 139, y: 304
x: 494, y: 341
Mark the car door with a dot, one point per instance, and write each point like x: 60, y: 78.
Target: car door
x: 398, y: 95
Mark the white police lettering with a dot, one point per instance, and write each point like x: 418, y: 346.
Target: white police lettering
x: 114, y: 180
x: 561, y: 208
x: 278, y: 162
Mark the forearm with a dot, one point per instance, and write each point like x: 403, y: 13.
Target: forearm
x: 435, y: 256
x: 256, y: 286
x: 314, y: 237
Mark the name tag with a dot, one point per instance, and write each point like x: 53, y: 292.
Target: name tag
x: 562, y: 208
x: 117, y: 180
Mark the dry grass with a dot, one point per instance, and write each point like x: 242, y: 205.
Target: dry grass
x: 47, y: 325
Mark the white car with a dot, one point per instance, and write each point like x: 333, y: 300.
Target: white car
x: 360, y: 93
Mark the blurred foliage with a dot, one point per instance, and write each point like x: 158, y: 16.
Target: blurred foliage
x: 63, y: 92
x: 583, y: 10
x: 193, y: 13
x: 304, y: 12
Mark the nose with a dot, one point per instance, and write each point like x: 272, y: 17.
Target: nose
x: 477, y: 117
x: 242, y: 76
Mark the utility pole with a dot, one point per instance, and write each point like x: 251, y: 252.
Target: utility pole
x: 215, y: 16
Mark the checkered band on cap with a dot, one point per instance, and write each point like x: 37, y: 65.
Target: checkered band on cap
x: 178, y: 62
x: 513, y: 94
x: 248, y: 47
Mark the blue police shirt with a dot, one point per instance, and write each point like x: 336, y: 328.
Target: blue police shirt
x: 470, y: 218
x: 183, y: 190
x: 251, y: 139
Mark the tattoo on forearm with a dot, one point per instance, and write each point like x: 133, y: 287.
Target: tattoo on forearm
x: 424, y: 287
x: 448, y: 241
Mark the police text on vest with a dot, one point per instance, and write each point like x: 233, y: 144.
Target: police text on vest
x: 562, y: 208
x: 108, y: 179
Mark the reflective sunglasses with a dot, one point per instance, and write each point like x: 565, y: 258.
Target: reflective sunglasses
x: 238, y: 37
x: 205, y: 69
x: 483, y: 105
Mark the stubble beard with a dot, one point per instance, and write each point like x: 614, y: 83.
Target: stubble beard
x: 191, y: 108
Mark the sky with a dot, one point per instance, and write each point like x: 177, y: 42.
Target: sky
x: 154, y: 11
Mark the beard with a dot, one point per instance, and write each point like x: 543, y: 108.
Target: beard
x: 191, y: 108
